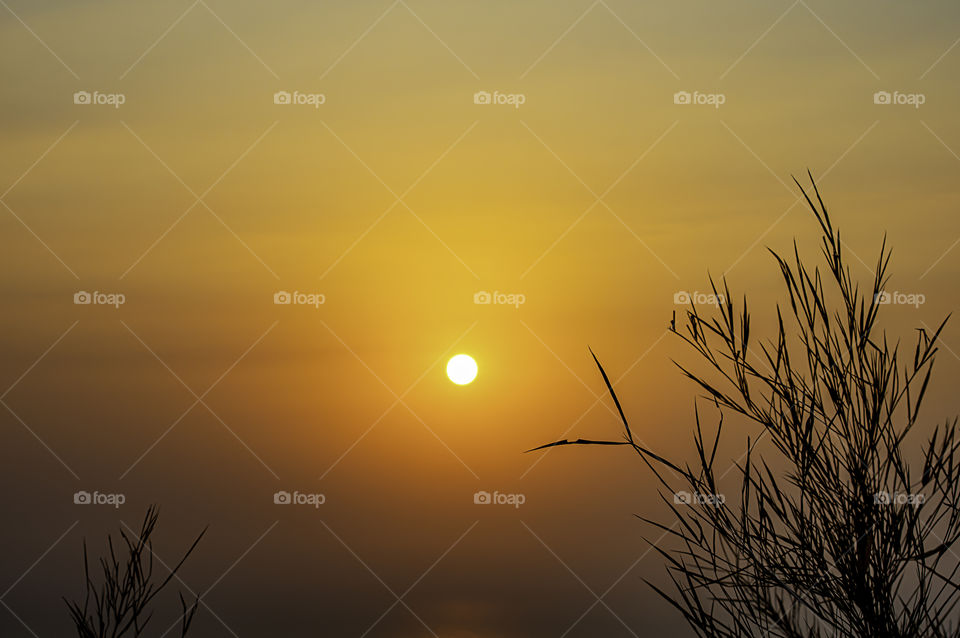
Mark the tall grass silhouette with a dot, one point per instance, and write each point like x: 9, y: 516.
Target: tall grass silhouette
x: 838, y: 530
x: 119, y: 605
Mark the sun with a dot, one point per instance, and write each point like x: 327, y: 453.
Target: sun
x: 462, y: 369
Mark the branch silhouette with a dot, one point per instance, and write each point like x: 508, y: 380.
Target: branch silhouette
x: 833, y: 534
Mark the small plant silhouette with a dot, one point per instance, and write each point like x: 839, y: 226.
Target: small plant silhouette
x: 834, y: 533
x: 119, y: 605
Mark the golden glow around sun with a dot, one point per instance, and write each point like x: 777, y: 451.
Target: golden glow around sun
x: 462, y: 369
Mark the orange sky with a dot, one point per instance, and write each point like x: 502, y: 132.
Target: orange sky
x: 398, y: 199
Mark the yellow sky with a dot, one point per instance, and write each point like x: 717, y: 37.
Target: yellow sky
x: 398, y: 199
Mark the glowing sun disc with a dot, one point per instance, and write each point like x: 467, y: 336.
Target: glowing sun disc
x: 462, y: 369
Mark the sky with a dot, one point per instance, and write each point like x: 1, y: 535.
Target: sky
x: 388, y: 167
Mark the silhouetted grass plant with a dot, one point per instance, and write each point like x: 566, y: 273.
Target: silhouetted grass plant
x: 119, y: 605
x: 815, y: 545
